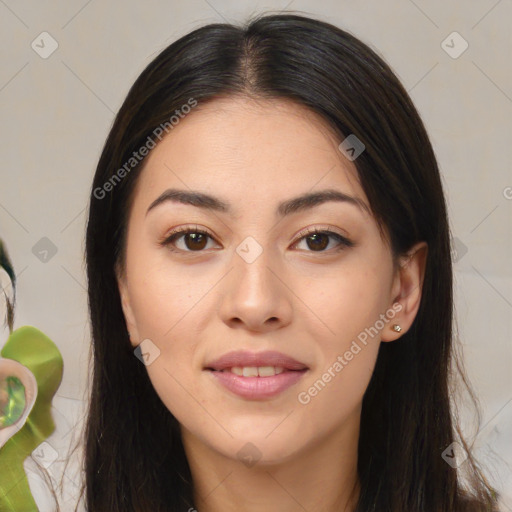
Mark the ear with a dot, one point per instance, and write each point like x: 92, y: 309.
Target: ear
x: 129, y: 317
x: 406, y: 290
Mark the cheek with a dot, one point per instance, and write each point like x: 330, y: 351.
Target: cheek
x: 173, y: 383
x: 165, y: 298
x: 350, y: 299
x: 350, y: 309
x: 333, y: 396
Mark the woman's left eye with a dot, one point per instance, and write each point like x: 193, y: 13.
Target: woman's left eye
x: 195, y: 240
x: 319, y: 239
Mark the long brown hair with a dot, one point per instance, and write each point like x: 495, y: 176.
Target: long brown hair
x: 134, y: 457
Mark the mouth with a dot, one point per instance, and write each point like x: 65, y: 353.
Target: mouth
x: 256, y: 376
x: 254, y: 364
x: 253, y: 385
x: 256, y: 371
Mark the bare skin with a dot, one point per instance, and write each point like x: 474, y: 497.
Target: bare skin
x: 307, y: 300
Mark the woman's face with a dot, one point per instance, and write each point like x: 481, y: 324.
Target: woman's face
x: 259, y: 280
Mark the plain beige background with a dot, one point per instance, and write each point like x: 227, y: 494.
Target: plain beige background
x: 57, y: 109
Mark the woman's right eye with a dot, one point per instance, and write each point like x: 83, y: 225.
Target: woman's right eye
x: 195, y: 239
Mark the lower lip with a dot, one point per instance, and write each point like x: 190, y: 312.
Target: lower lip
x: 255, y: 388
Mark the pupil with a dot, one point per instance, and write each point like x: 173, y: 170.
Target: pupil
x: 195, y: 237
x: 315, y: 238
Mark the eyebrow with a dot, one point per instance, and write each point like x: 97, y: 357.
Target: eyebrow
x: 288, y: 207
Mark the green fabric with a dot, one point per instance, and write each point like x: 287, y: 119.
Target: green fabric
x: 12, y: 410
x: 33, y: 349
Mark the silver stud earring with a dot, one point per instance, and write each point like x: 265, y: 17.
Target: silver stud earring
x: 397, y: 328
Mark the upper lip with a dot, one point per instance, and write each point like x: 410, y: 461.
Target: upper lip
x: 243, y: 358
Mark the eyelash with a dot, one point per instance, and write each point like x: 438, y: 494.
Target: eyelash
x: 175, y: 234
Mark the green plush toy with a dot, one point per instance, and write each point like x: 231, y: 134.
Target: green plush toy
x: 30, y: 373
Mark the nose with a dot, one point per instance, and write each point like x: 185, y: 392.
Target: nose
x: 255, y: 295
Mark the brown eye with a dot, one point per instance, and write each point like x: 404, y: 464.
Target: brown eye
x: 318, y: 240
x: 194, y: 240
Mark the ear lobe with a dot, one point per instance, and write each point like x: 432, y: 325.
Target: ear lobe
x: 407, y: 290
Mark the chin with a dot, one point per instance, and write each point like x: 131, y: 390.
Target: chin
x: 259, y: 450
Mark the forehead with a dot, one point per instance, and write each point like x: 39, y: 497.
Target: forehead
x: 249, y: 151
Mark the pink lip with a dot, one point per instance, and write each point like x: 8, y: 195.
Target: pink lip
x: 243, y: 358
x: 257, y: 388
